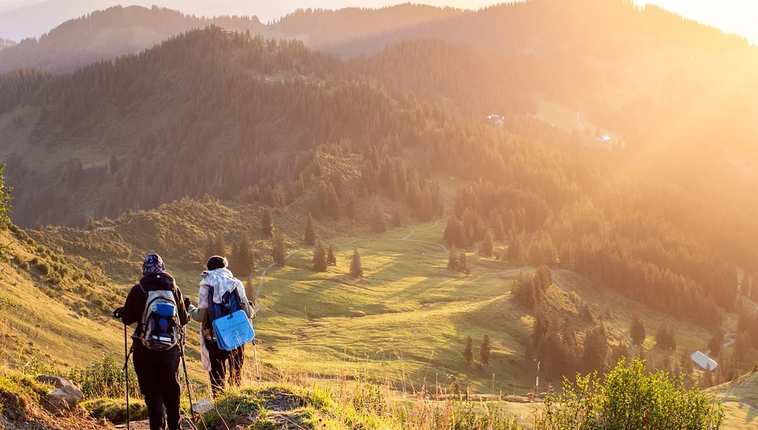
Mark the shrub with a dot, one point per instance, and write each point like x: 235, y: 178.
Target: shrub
x: 629, y: 397
x: 114, y: 410
x: 43, y: 269
x: 34, y: 261
x: 105, y: 378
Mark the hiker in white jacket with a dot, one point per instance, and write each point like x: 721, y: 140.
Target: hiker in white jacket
x: 214, y: 358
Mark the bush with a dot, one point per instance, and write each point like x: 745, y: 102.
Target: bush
x: 105, y: 378
x: 34, y: 261
x: 114, y: 410
x: 628, y: 397
x: 43, y: 269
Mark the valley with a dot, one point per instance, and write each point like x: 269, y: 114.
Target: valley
x: 518, y: 195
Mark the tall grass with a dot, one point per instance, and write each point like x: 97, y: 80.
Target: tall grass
x: 106, y: 378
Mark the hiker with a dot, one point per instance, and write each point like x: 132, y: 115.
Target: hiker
x: 156, y: 341
x: 215, y: 360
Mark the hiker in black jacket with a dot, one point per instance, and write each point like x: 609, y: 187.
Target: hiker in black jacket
x: 157, y: 371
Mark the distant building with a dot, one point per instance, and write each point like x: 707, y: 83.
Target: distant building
x: 497, y: 120
x: 702, y: 360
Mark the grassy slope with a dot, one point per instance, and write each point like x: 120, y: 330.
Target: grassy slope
x: 404, y: 324
x: 740, y: 400
x: 37, y: 320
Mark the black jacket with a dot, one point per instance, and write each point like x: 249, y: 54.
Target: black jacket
x: 137, y: 299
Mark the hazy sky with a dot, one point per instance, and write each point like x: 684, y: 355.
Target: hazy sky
x: 732, y: 16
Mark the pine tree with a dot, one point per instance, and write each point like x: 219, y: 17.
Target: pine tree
x: 485, y: 351
x: 278, y: 252
x: 637, y: 330
x: 350, y: 207
x: 665, y: 338
x: 485, y: 248
x: 216, y: 246
x: 356, y: 271
x: 452, y: 259
x: 242, y: 257
x: 377, y: 219
x: 468, y: 353
x: 463, y: 264
x: 717, y: 341
x: 396, y: 221
x: 319, y: 258
x: 595, y: 349
x: 499, y: 229
x: 310, y: 232
x: 333, y: 203
x: 331, y: 260
x: 91, y: 224
x: 267, y: 223
x: 219, y: 245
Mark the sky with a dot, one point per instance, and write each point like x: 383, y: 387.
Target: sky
x: 732, y: 16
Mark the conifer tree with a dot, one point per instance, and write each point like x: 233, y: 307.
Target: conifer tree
x: 468, y: 353
x: 716, y: 342
x: 91, y: 224
x: 637, y: 330
x: 319, y: 258
x: 210, y: 247
x: 219, y: 245
x: 595, y: 349
x: 278, y: 252
x: 356, y: 271
x: 452, y: 259
x: 267, y: 223
x: 499, y: 229
x: 331, y: 260
x: 377, y: 219
x: 310, y: 232
x: 350, y: 206
x: 485, y: 248
x: 242, y: 257
x: 216, y: 246
x: 485, y: 351
x: 333, y: 203
x: 665, y: 338
x: 463, y: 264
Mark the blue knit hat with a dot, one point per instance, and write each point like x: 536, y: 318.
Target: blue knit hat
x: 153, y: 264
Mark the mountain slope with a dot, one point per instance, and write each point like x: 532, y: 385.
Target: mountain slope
x: 5, y: 44
x: 48, y: 301
x: 108, y: 34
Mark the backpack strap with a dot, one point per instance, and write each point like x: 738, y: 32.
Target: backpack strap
x: 140, y: 325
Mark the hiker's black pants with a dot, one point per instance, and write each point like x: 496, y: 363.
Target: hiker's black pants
x: 158, y: 375
x: 219, y: 361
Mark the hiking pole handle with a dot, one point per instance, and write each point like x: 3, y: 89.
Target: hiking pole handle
x: 118, y: 313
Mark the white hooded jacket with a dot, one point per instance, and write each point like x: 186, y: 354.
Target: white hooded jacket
x: 222, y: 280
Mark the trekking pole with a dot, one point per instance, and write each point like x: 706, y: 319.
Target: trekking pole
x: 186, y: 377
x: 255, y: 358
x: 117, y: 314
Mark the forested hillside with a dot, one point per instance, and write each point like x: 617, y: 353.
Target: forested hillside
x: 397, y: 123
x: 5, y: 44
x: 108, y: 34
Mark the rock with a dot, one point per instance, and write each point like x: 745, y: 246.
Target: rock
x: 66, y: 394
